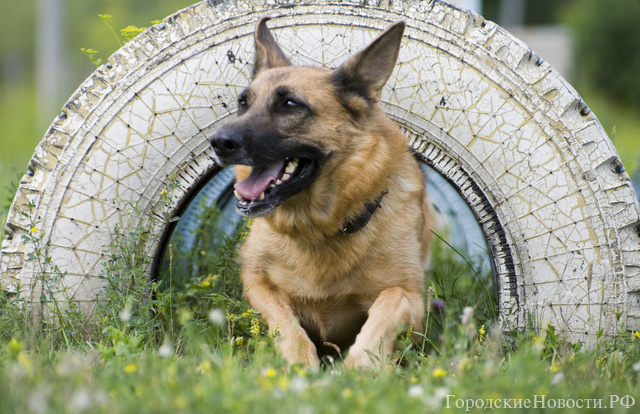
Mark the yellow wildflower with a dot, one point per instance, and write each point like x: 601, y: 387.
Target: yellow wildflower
x: 255, y: 327
x: 14, y: 346
x: 438, y: 373
x: 131, y: 31
x: 23, y: 359
x: 35, y: 230
x: 131, y: 368
x: 636, y: 335
x: 180, y: 401
x: 481, y: 332
x: 204, y: 366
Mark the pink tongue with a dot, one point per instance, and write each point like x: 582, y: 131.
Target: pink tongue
x: 258, y: 180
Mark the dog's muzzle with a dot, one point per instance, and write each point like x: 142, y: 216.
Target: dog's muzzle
x: 228, y: 144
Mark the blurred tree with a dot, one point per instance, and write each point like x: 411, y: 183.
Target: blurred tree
x: 607, y: 40
x: 81, y: 28
x: 528, y: 12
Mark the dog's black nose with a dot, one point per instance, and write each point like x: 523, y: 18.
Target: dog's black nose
x: 227, y: 143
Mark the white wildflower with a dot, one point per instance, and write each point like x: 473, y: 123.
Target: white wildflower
x: 415, y: 391
x: 467, y: 314
x: 80, y: 401
x: 165, y: 350
x: 557, y: 378
x: 298, y: 385
x: 125, y: 315
x: 216, y: 316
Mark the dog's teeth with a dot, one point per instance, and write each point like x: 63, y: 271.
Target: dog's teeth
x: 237, y: 194
x: 278, y: 181
x: 273, y: 184
x: 291, y: 167
x: 285, y: 176
x: 261, y: 196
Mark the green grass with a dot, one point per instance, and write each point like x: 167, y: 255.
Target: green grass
x: 194, y: 345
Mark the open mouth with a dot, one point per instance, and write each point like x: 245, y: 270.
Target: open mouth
x: 268, y: 186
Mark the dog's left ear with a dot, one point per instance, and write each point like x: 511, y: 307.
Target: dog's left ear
x: 366, y: 72
x: 268, y: 54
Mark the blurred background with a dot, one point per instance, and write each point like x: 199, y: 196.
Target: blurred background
x: 594, y: 44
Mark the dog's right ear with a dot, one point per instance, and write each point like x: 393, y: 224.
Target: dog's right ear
x: 267, y: 54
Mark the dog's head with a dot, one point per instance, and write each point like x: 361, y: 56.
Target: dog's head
x: 296, y: 121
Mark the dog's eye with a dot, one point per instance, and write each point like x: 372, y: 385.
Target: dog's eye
x: 242, y: 104
x: 290, y: 105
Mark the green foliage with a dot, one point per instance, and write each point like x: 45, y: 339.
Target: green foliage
x: 187, y: 342
x: 462, y: 286
x: 56, y: 315
x: 607, y: 47
x: 203, y: 283
x: 91, y: 54
x: 126, y: 34
x: 130, y: 32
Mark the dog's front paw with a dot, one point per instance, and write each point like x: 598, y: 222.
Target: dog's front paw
x: 300, y: 350
x: 361, y: 359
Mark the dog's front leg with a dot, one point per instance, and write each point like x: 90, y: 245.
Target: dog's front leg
x: 292, y: 341
x: 394, y: 308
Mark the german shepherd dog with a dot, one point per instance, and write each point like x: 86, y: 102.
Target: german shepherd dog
x: 334, y: 256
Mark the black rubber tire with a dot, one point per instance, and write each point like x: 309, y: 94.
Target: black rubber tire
x: 543, y: 180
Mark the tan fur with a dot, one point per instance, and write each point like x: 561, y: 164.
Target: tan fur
x: 297, y: 268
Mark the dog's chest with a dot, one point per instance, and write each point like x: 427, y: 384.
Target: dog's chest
x: 312, y: 282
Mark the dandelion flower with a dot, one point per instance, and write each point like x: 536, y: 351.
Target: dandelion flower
x: 130, y: 368
x: 439, y: 373
x: 636, y: 335
x: 270, y: 372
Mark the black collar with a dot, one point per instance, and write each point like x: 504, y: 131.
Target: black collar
x: 361, y: 220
